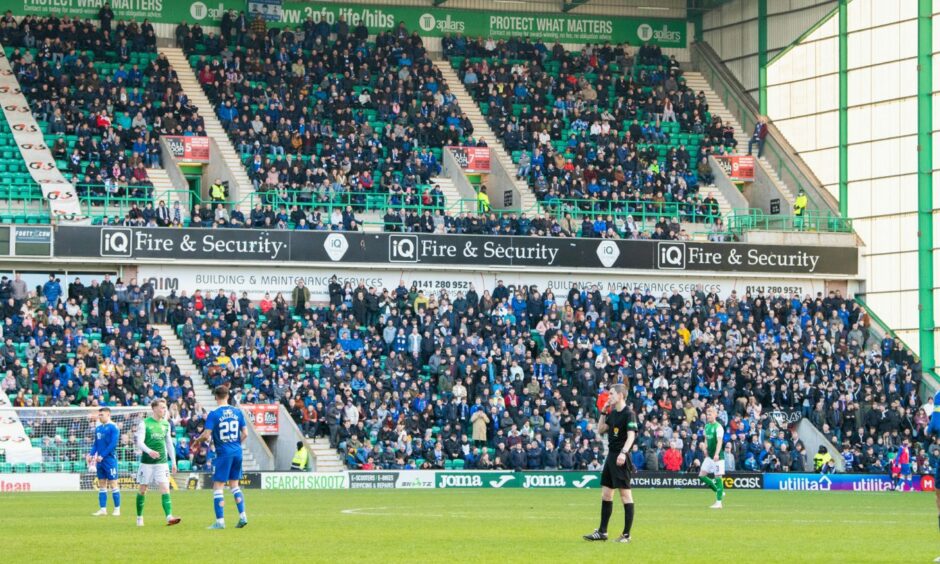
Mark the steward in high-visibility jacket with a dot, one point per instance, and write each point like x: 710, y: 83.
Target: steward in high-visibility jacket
x: 821, y: 459
x: 217, y: 191
x: 483, y: 201
x: 301, y: 458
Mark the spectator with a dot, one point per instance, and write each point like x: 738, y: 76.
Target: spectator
x: 672, y: 459
x: 758, y: 137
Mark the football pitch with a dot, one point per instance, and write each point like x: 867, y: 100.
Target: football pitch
x: 476, y: 526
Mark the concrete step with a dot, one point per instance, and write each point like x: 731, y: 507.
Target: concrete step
x: 480, y: 127
x: 451, y: 195
x: 201, y: 390
x: 164, y: 189
x: 194, y: 90
x: 326, y: 458
x: 697, y: 82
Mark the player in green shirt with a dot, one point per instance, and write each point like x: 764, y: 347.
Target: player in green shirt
x: 713, y: 467
x: 156, y: 450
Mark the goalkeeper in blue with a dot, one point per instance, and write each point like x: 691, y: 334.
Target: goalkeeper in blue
x: 225, y: 425
x: 103, y: 457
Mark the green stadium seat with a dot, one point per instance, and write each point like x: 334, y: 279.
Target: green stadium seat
x: 184, y: 465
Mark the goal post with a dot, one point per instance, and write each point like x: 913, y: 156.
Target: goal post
x: 65, y: 436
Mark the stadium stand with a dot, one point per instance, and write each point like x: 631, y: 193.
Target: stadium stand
x: 327, y: 124
x: 396, y: 378
x: 102, y: 100
x: 17, y: 189
x: 636, y: 146
x: 88, y: 345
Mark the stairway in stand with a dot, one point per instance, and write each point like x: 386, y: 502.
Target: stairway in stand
x: 482, y: 129
x: 192, y: 88
x: 163, y: 189
x: 204, y: 395
x: 696, y: 81
x: 451, y: 195
x: 326, y: 457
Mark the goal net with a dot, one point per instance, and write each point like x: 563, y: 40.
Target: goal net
x: 65, y: 435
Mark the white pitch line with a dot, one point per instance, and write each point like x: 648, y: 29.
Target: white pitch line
x: 382, y: 512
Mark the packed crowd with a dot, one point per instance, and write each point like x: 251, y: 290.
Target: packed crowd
x: 345, y: 218
x: 542, y: 225
x: 321, y: 114
x: 596, y: 126
x: 509, y: 378
x: 105, y: 96
x: 220, y: 216
x: 92, y: 343
x: 504, y: 379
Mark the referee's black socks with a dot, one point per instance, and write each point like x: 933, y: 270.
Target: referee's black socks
x: 607, y: 509
x: 627, y: 518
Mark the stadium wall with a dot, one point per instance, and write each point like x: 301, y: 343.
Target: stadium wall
x: 882, y: 145
x: 191, y: 258
x: 257, y: 281
x: 733, y: 29
x: 471, y: 479
x: 469, y: 16
x: 642, y: 8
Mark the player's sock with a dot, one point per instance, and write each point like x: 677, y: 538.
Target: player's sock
x: 607, y: 509
x: 116, y: 496
x: 709, y: 482
x: 910, y: 484
x: 167, y: 504
x: 719, y: 488
x: 239, y: 501
x: 140, y: 504
x: 102, y: 498
x: 218, y: 503
x: 627, y: 518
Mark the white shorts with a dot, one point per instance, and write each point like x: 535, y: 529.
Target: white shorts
x: 709, y: 466
x: 153, y: 474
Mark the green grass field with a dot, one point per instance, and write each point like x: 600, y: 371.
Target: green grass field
x: 476, y: 526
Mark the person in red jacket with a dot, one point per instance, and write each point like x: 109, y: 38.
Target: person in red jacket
x: 672, y: 459
x: 760, y: 134
x: 199, y: 303
x: 201, y: 353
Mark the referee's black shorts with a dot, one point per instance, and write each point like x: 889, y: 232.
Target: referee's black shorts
x: 616, y: 477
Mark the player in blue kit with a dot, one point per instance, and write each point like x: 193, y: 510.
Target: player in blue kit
x: 933, y: 428
x: 226, y: 426
x: 103, y: 457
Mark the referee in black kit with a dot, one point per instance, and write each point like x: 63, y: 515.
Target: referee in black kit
x: 619, y: 422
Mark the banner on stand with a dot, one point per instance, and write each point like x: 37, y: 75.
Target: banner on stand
x: 739, y: 168
x: 58, y: 192
x: 472, y: 159
x: 189, y: 148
